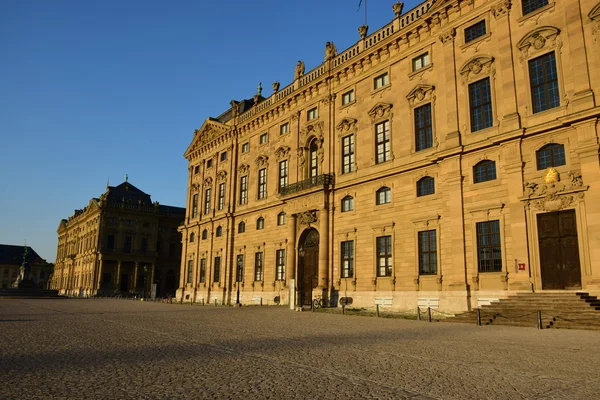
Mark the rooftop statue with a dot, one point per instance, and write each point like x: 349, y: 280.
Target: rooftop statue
x: 299, y: 71
x: 330, y: 51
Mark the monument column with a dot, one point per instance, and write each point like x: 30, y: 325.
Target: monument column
x: 323, y: 247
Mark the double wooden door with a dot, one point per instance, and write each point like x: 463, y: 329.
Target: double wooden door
x: 559, y: 250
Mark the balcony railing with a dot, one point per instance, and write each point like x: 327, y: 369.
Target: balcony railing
x: 321, y: 180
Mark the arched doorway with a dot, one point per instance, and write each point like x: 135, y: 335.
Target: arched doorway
x: 308, y: 266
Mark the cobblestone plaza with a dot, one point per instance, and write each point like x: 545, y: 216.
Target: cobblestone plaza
x: 120, y: 349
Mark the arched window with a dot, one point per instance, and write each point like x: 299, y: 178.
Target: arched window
x: 192, y: 237
x: 204, y: 234
x: 242, y: 227
x: 484, y: 171
x: 260, y: 223
x: 314, y: 159
x: 219, y: 231
x: 281, y: 218
x: 425, y: 186
x: 551, y: 155
x: 383, y: 195
x: 347, y: 203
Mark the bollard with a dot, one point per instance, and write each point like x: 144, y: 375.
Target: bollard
x: 377, y: 310
x: 428, y: 314
x: 479, y: 317
x: 539, y: 320
x: 215, y: 302
x: 418, y: 314
x: 343, y: 309
x: 203, y: 301
x: 261, y: 301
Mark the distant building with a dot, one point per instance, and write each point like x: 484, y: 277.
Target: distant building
x: 11, y: 259
x: 121, y: 243
x: 447, y: 159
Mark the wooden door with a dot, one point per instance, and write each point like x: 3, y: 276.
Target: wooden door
x: 309, y: 274
x: 559, y: 250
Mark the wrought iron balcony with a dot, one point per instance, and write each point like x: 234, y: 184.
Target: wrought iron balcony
x: 321, y: 180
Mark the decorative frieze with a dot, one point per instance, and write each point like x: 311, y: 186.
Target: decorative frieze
x: 554, y: 194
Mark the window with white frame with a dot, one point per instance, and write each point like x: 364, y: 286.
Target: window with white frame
x: 347, y: 203
x: 382, y: 142
x: 280, y: 265
x: 263, y: 138
x: 242, y: 227
x: 383, y: 195
x: 262, y: 183
x: 281, y: 218
x: 260, y: 223
x: 207, y: 195
x: 420, y: 62
x: 384, y: 256
x: 284, y: 128
x: 348, y: 97
x: 258, y: 266
x: 221, y: 204
x: 195, y: 206
x: 381, y: 81
x: 283, y: 174
x: 312, y: 114
x: 347, y: 154
x: 244, y: 189
x: 245, y: 147
x: 347, y: 259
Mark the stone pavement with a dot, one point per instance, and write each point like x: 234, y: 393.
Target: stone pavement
x: 122, y: 349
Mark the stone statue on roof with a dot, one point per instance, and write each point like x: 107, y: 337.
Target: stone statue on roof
x: 259, y: 89
x: 299, y: 71
x: 330, y: 51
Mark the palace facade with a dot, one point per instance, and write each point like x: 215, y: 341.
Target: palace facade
x: 120, y: 243
x: 448, y: 159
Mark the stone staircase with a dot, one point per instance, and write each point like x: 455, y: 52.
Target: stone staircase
x: 558, y: 310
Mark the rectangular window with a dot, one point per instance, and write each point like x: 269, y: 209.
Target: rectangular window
x: 258, y: 266
x: 203, y: 270
x: 110, y: 242
x: 127, y: 244
x: 423, y: 127
x: 284, y: 128
x: 190, y: 270
x: 544, y: 82
x: 489, y: 251
x: 384, y: 256
x: 209, y: 163
x: 382, y: 141
x: 224, y: 156
x: 245, y: 147
x: 264, y: 138
x: 475, y: 31
x: 348, y: 97
x: 217, y: 276
x: 420, y: 62
x: 195, y: 206
x: 239, y: 268
x: 427, y: 252
x: 280, y: 265
x: 262, y: 183
x: 196, y: 169
x: 381, y: 81
x: 530, y: 6
x: 207, y: 194
x: 312, y: 114
x: 480, y: 103
x: 144, y: 246
x: 221, y: 196
x: 244, y: 189
x: 347, y: 259
x: 347, y: 154
x: 283, y: 174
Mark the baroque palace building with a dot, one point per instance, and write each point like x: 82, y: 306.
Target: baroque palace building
x: 445, y: 160
x: 121, y: 243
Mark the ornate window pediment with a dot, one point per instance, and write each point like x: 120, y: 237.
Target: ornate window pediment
x: 380, y: 111
x: 347, y: 124
x: 221, y: 175
x: 594, y: 15
x: 544, y: 37
x: 243, y: 169
x: 312, y: 129
x: 261, y: 160
x: 282, y: 152
x: 474, y: 67
x: 421, y: 93
x: 208, y: 181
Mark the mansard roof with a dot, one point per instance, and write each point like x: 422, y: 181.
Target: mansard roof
x: 126, y: 191
x: 13, y: 255
x: 240, y: 107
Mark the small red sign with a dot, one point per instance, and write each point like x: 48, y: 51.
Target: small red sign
x: 521, y: 266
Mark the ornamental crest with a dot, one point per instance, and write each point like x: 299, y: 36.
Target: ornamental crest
x: 347, y: 124
x: 221, y: 175
x: 420, y: 93
x: 314, y: 129
x: 554, y: 193
x: 537, y: 39
x: 261, y: 160
x: 475, y: 66
x: 243, y: 169
x: 282, y: 152
x: 380, y: 111
x: 307, y: 217
x: 208, y: 181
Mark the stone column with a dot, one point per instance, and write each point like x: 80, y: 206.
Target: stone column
x: 290, y: 262
x: 323, y: 248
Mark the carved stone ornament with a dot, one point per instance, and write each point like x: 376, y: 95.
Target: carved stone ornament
x: 221, y: 175
x: 275, y: 86
x: 346, y: 125
x: 301, y: 153
x: 554, y: 194
x: 380, y: 111
x: 420, y: 93
x: 195, y: 187
x: 307, y: 218
x: 538, y: 39
x: 314, y: 129
x: 362, y: 30
x: 397, y: 7
x: 501, y: 8
x: 209, y: 132
x: 243, y: 169
x: 208, y: 181
x: 475, y: 66
x: 282, y: 152
x: 261, y: 160
x: 448, y: 36
x: 594, y: 15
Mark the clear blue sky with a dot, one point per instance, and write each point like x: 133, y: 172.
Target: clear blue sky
x: 94, y: 90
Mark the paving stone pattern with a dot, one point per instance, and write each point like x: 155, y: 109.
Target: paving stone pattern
x: 122, y: 349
